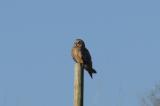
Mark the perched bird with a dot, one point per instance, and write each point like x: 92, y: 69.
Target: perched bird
x: 81, y: 55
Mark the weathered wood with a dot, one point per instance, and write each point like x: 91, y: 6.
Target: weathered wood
x: 78, y: 85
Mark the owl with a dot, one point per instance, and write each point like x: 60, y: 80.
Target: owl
x: 81, y: 55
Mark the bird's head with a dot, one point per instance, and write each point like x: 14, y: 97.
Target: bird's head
x: 79, y: 43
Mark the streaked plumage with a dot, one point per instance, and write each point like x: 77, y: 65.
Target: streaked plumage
x: 81, y: 55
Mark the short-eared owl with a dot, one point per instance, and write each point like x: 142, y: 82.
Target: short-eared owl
x: 81, y: 55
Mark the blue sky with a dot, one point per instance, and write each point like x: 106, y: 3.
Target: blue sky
x: 36, y: 36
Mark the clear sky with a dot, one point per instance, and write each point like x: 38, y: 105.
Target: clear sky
x: 36, y: 36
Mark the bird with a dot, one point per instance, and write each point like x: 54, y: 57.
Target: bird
x: 80, y: 54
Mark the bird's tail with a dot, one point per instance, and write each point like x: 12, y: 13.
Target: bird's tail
x: 91, y: 71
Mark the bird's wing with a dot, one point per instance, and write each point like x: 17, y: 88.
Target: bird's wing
x: 87, y: 57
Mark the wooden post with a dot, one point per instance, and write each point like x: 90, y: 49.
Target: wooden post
x: 78, y: 85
